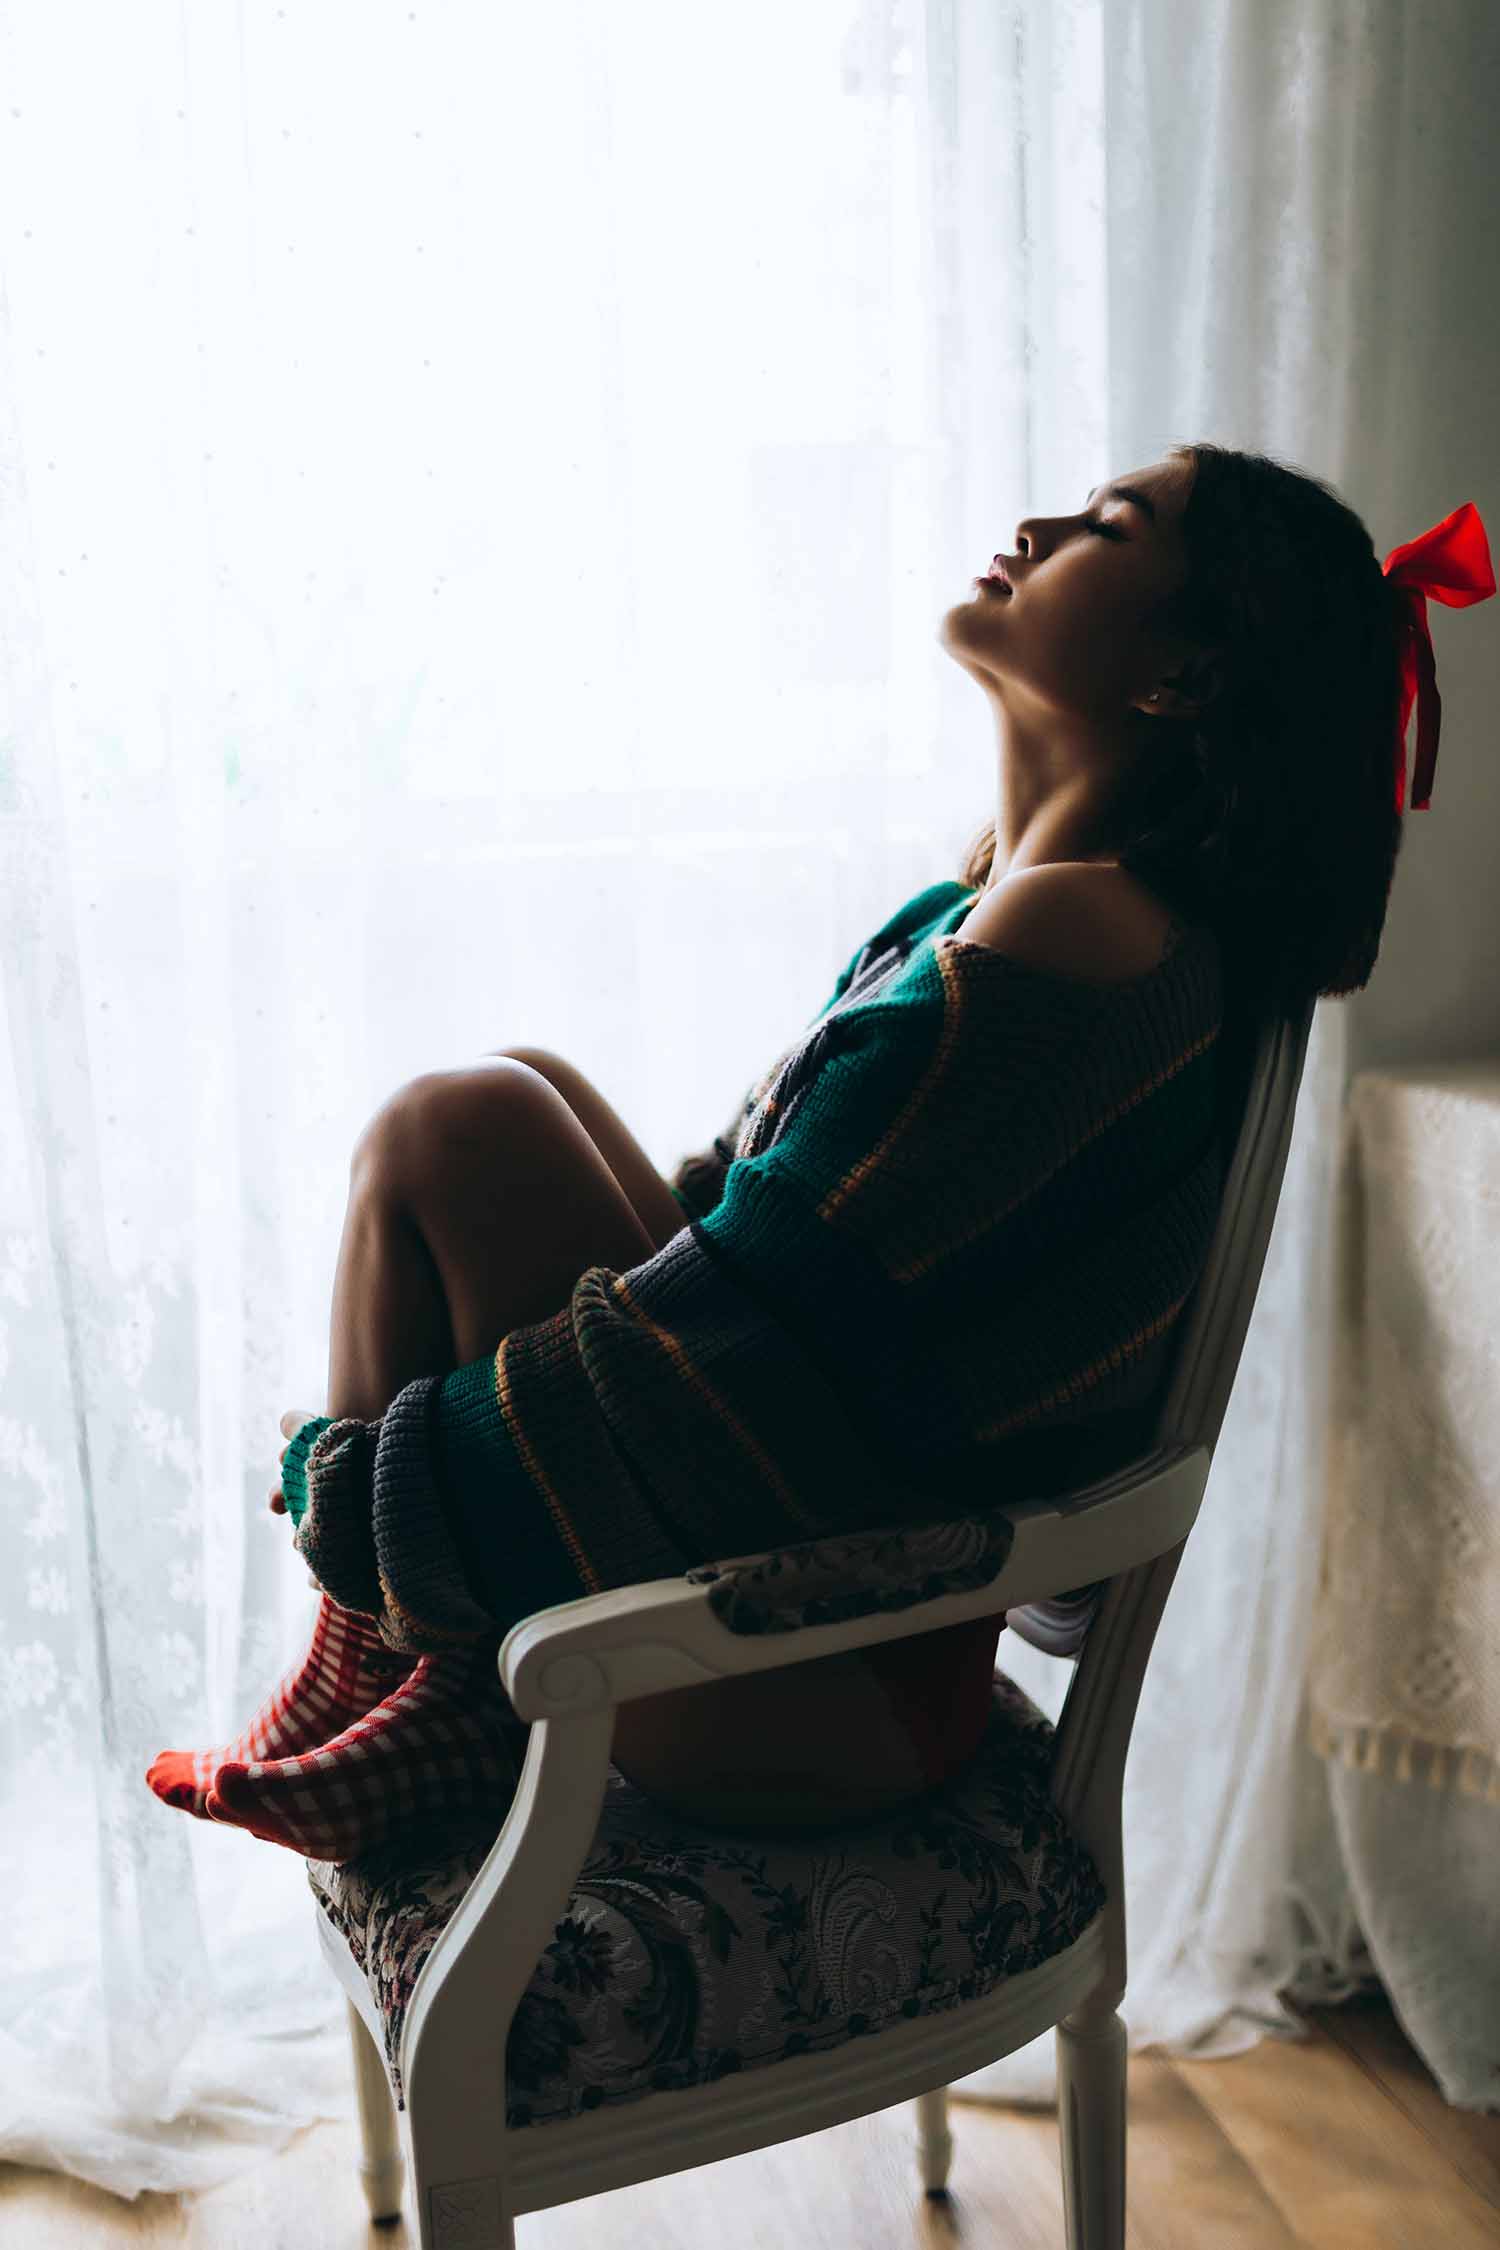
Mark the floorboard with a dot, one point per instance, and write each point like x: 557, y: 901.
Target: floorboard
x: 1340, y: 2141
x: 1470, y: 2139
x: 1336, y: 2152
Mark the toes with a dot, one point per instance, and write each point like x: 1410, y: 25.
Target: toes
x: 170, y: 1777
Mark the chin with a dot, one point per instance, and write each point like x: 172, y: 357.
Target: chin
x: 968, y: 648
x: 954, y: 630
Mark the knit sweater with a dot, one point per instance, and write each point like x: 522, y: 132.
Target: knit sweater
x: 940, y: 1249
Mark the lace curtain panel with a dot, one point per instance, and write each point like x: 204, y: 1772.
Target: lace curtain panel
x: 477, y: 498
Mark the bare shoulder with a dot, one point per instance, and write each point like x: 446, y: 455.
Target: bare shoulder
x: 1098, y: 923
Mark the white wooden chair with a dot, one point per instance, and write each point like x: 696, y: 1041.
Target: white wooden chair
x: 567, y: 1668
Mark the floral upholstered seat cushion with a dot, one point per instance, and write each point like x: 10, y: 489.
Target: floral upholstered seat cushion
x: 687, y: 1952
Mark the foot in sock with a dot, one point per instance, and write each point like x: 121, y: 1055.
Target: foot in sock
x: 445, y: 1742
x: 346, y: 1672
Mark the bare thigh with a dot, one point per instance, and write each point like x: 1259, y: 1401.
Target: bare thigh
x: 650, y: 1197
x: 506, y: 1187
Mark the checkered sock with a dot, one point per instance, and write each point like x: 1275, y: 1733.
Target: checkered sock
x: 347, y: 1670
x: 446, y: 1741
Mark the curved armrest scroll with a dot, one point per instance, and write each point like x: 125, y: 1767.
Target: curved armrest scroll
x: 742, y: 1616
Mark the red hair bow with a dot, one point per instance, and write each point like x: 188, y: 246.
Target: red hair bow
x: 1452, y: 563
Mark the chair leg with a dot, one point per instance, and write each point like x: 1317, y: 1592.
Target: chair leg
x: 1091, y: 2119
x: 381, y: 2171
x: 934, y: 2141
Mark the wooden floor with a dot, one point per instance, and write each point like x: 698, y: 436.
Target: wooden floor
x: 1339, y: 2142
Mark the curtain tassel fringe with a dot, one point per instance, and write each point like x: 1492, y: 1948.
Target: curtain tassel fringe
x: 1405, y: 1757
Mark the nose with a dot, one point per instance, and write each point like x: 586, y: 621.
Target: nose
x: 1033, y: 531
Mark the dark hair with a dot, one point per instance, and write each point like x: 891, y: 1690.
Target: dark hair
x: 1277, y: 823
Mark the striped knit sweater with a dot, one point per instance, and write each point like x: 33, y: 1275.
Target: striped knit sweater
x: 941, y: 1249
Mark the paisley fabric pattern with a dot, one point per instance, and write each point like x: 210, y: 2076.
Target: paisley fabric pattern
x: 828, y: 1581
x: 688, y: 1952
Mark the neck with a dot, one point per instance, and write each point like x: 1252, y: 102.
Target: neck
x: 1059, y: 792
x: 1065, y: 826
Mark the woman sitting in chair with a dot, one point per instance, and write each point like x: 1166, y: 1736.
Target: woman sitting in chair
x: 937, y: 1257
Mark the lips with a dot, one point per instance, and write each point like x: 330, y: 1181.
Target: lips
x: 998, y: 574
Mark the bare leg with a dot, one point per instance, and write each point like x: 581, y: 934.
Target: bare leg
x: 476, y: 1200
x: 390, y: 1321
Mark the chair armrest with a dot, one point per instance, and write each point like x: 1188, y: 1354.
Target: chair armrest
x: 789, y: 1607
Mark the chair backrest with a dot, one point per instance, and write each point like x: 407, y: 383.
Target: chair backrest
x: 1263, y: 1074
x: 1113, y: 1633
x: 1217, y: 1320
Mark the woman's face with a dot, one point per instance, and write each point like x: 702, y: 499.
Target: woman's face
x: 1074, y: 635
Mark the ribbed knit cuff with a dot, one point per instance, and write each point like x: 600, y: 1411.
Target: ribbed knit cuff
x: 294, y: 1467
x: 427, y: 1605
x: 502, y: 1517
x: 602, y: 1517
x: 333, y: 1478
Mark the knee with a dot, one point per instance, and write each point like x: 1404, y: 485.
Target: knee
x: 425, y: 1123
x: 540, y: 1059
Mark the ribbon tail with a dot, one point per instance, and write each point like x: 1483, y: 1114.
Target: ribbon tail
x: 1403, y: 713
x: 1429, y: 721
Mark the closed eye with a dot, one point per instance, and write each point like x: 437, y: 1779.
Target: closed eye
x: 1105, y: 530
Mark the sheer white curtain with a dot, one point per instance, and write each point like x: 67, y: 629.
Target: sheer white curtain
x: 477, y: 495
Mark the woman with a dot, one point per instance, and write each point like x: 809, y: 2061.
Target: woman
x: 943, y: 1246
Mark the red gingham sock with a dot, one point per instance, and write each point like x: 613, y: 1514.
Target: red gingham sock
x: 446, y: 1741
x: 347, y: 1670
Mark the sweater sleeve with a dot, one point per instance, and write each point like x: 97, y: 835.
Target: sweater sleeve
x: 961, y: 1224
x: 665, y: 1416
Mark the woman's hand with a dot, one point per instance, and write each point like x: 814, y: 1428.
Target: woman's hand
x: 291, y: 1423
